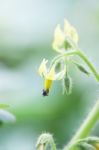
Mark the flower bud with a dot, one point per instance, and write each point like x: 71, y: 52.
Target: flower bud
x: 43, y: 141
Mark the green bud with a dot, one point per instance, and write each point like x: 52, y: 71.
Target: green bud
x: 44, y: 140
x: 82, y: 69
x: 67, y: 84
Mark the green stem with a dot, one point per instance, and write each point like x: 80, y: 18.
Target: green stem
x: 82, y: 56
x: 67, y: 53
x: 86, y: 127
x: 93, y: 70
x: 54, y: 146
x: 94, y: 114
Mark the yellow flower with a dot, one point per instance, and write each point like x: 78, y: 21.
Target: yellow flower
x: 42, y: 69
x: 49, y: 75
x: 63, y: 38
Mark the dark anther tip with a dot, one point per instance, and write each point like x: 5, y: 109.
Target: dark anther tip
x: 45, y: 92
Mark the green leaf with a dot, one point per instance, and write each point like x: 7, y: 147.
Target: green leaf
x: 4, y: 106
x: 82, y: 69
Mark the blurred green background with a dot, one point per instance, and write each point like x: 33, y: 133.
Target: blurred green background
x: 26, y: 34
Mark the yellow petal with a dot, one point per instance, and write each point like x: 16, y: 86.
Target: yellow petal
x: 70, y: 31
x: 42, y: 69
x: 55, y: 76
x: 74, y: 35
x: 51, y: 74
x: 58, y: 38
x: 67, y: 27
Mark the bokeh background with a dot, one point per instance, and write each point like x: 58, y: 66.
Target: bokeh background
x: 26, y: 35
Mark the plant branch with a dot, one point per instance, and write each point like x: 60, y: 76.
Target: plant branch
x: 82, y: 56
x: 86, y: 127
x: 94, y: 114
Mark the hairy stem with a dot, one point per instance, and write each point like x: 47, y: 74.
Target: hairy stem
x: 94, y: 114
x: 86, y: 127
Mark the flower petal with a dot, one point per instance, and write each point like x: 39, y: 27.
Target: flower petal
x: 67, y: 27
x: 70, y: 31
x: 58, y: 38
x: 74, y: 35
x: 55, y: 76
x: 42, y: 69
x: 61, y: 74
x: 51, y: 74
